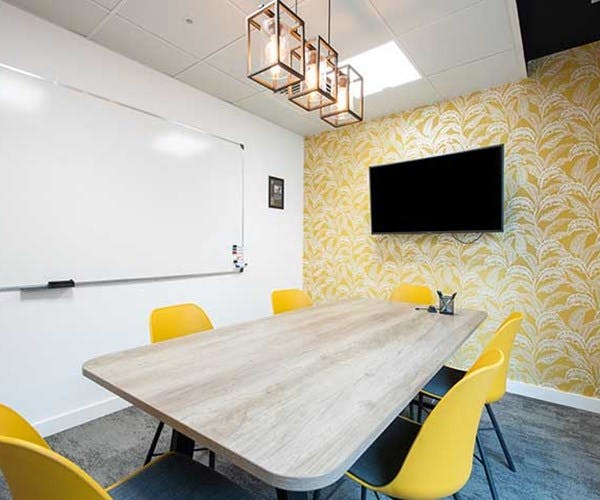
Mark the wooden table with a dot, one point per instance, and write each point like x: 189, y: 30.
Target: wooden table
x: 293, y: 399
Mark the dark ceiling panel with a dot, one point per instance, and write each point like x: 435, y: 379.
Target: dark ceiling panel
x: 549, y: 26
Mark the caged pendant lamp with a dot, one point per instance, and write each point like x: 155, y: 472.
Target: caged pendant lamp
x: 276, y: 46
x: 349, y: 107
x: 319, y: 87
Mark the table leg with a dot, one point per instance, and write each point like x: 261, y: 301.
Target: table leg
x: 291, y: 495
x: 182, y: 444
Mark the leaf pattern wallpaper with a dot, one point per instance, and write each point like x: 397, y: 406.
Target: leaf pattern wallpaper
x: 546, y: 263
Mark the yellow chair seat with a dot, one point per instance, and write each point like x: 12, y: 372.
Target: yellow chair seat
x: 172, y: 322
x: 289, y: 300
x: 33, y: 471
x: 413, y: 294
x: 176, y: 321
x: 432, y: 460
x: 380, y: 464
x: 176, y: 476
x: 503, y: 340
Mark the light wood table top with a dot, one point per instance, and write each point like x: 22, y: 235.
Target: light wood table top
x: 293, y: 399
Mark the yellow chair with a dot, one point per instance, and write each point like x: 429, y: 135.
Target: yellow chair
x: 503, y: 339
x: 168, y: 323
x: 447, y: 377
x: 33, y: 471
x: 171, y: 322
x: 289, y: 300
x: 435, y: 459
x: 414, y: 294
x: 14, y: 425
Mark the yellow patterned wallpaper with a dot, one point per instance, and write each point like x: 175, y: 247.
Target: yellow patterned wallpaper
x: 545, y: 264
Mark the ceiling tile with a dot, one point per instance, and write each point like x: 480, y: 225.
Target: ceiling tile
x: 214, y: 82
x: 269, y: 107
x: 355, y: 25
x: 232, y: 59
x: 249, y: 6
x: 121, y: 36
x: 109, y: 4
x: 461, y: 45
x: 489, y: 72
x: 80, y: 16
x: 215, y: 22
x: 283, y: 100
x: 408, y: 96
x: 306, y: 127
x: 300, y: 126
x: 405, y: 15
x: 470, y: 34
x: 316, y: 125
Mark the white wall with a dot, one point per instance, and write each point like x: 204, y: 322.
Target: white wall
x: 46, y: 336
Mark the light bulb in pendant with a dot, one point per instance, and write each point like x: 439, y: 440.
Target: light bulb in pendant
x: 271, y: 56
x: 312, y: 77
x: 342, y: 96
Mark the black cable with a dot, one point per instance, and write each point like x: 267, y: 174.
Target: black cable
x: 329, y: 21
x: 467, y: 242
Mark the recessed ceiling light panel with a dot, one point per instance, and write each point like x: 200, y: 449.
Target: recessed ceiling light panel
x: 386, y: 67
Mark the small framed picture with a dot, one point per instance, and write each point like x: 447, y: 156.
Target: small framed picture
x: 275, y: 192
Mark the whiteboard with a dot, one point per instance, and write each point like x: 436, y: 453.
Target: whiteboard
x: 94, y: 190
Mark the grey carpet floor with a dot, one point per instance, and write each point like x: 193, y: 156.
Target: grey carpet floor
x: 556, y: 450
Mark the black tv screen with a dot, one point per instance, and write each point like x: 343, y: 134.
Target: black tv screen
x: 459, y: 192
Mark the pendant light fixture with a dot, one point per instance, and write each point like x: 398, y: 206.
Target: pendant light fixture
x: 276, y: 46
x: 319, y: 87
x: 280, y: 59
x: 349, y: 107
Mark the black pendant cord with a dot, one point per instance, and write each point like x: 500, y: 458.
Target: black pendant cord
x: 329, y: 22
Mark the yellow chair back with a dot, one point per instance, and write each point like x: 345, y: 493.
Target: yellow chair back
x: 289, y: 300
x: 440, y: 460
x: 13, y: 425
x: 503, y: 339
x: 33, y: 471
x: 176, y: 321
x: 414, y: 294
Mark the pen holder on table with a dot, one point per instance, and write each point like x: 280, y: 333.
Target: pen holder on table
x: 446, y: 303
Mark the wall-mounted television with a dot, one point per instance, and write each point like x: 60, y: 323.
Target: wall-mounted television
x: 458, y: 192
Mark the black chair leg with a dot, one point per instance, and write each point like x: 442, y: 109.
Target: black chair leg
x: 211, y: 459
x: 157, y: 433
x: 316, y: 495
x: 509, y: 460
x: 363, y: 493
x: 420, y: 412
x: 487, y: 469
x: 456, y: 496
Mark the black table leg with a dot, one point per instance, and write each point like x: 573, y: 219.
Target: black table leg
x: 182, y: 444
x: 291, y: 495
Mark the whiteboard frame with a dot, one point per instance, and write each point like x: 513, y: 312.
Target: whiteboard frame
x: 121, y: 281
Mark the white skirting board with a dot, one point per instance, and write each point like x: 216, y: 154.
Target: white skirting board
x: 79, y: 416
x: 554, y: 396
x: 82, y: 415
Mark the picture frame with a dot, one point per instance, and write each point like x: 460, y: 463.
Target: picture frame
x: 276, y: 192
